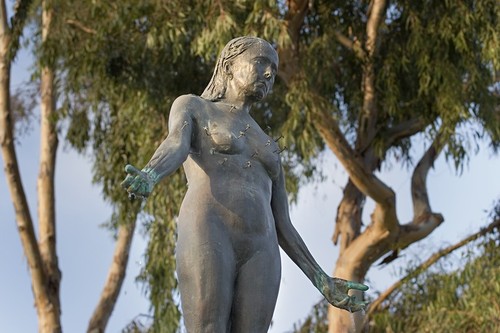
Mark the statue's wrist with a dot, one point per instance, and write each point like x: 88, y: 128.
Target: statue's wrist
x: 321, y: 281
x: 151, y: 175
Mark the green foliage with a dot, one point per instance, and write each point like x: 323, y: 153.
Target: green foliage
x: 433, y: 64
x: 18, y: 21
x: 438, y: 300
x: 316, y: 321
x: 22, y: 103
x: 465, y: 300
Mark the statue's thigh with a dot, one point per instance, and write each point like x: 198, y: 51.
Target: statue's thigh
x: 206, y: 274
x: 256, y: 291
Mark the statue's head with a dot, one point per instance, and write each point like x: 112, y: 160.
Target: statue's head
x: 217, y: 86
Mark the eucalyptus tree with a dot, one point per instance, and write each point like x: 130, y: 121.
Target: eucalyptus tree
x: 360, y: 78
x: 40, y: 250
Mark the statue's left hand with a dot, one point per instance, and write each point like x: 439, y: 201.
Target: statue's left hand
x: 138, y: 183
x: 336, y: 293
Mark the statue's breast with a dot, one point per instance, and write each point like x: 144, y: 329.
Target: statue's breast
x: 224, y: 139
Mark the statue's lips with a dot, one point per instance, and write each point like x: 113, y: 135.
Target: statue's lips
x: 261, y: 85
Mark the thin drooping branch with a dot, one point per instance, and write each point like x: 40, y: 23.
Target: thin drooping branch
x: 116, y: 275
x: 18, y: 22
x: 375, y: 305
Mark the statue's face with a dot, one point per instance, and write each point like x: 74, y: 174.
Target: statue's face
x: 253, y: 72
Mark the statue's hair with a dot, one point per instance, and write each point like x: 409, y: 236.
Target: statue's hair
x: 216, y: 88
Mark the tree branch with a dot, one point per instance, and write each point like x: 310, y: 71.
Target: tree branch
x: 369, y: 113
x: 419, y: 191
x: 352, y: 45
x: 424, y: 220
x: 289, y: 59
x: 348, y: 222
x: 116, y: 275
x: 403, y: 130
x: 375, y: 305
x: 364, y: 179
x: 11, y: 168
x: 80, y: 26
x: 4, y: 26
x: 376, y: 13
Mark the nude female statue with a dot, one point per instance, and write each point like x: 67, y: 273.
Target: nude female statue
x: 235, y: 212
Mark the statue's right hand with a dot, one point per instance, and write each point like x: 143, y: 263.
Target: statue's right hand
x: 138, y: 183
x: 336, y: 293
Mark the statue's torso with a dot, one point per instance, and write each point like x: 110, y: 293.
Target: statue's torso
x: 230, y: 171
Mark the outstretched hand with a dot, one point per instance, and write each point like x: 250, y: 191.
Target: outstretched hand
x: 138, y: 183
x: 336, y: 293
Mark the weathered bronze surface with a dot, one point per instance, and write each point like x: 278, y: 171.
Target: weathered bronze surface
x: 235, y: 212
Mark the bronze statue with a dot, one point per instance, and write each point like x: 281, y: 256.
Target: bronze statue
x: 235, y: 212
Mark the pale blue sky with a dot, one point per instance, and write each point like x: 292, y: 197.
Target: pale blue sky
x: 85, y: 250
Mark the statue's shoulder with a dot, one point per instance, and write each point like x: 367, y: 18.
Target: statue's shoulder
x: 189, y: 102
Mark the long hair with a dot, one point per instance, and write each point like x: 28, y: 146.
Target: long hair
x: 217, y: 86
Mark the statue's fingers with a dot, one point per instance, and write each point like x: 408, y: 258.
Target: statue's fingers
x: 344, y: 302
x: 357, y: 286
x: 128, y: 180
x: 357, y: 306
x: 144, y: 190
x: 132, y: 170
x: 135, y: 186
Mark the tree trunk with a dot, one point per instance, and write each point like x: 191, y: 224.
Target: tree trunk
x: 348, y: 227
x: 43, y: 289
x: 341, y: 321
x: 46, y: 187
x: 116, y: 275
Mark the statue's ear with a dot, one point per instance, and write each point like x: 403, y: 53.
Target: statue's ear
x: 228, y: 68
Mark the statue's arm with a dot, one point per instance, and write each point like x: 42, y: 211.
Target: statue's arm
x: 334, y: 289
x: 171, y: 153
